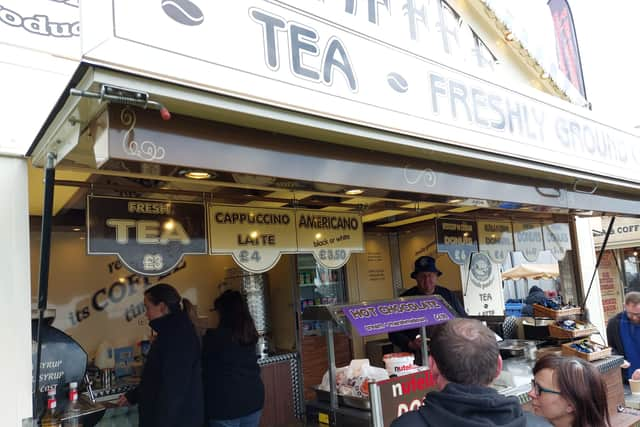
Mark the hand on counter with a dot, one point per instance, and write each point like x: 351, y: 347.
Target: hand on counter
x: 415, y: 344
x: 625, y: 364
x: 123, y: 401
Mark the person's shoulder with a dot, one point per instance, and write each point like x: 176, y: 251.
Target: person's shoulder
x: 616, y: 317
x: 409, y: 419
x: 441, y: 290
x: 533, y: 420
x: 411, y: 292
x: 217, y: 334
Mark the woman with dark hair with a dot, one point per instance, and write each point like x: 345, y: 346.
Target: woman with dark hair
x: 170, y: 392
x: 569, y: 392
x: 234, y: 393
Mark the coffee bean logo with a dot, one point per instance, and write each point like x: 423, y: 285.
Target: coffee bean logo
x: 397, y: 82
x: 183, y: 11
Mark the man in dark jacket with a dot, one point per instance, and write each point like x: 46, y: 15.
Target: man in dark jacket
x: 623, y: 333
x: 426, y: 275
x: 464, y: 360
x: 536, y: 296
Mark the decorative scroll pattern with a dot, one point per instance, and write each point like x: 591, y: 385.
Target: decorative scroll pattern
x: 145, y: 150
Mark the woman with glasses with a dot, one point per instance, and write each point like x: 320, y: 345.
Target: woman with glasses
x: 569, y: 392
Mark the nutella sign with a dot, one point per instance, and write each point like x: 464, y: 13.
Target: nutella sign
x: 395, y: 396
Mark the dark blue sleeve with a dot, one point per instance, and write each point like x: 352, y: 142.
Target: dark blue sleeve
x: 453, y: 301
x: 457, y: 306
x: 409, y: 419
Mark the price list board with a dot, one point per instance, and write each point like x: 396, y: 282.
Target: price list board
x: 330, y: 236
x: 255, y: 237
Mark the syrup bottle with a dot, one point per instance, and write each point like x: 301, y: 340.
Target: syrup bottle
x: 71, y: 416
x: 50, y: 417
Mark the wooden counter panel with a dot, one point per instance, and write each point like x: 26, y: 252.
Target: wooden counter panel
x: 278, y: 395
x: 315, y: 360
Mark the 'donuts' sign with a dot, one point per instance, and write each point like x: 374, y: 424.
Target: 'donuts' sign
x: 528, y: 239
x: 496, y: 239
x: 457, y: 238
x: 149, y: 236
x: 255, y: 237
x: 330, y: 236
x: 557, y: 239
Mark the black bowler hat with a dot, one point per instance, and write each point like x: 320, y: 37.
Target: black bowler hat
x: 426, y: 264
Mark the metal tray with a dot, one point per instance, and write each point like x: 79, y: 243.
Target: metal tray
x: 351, y: 401
x: 515, y: 347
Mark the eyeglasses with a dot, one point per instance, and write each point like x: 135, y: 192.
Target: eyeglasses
x: 538, y: 389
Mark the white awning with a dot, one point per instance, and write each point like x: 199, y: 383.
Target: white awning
x: 532, y: 271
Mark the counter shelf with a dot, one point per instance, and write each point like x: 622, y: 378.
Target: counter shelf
x: 433, y: 309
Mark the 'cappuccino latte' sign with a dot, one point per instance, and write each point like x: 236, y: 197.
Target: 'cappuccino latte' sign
x: 255, y: 237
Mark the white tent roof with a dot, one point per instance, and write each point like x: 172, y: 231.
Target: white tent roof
x: 532, y: 271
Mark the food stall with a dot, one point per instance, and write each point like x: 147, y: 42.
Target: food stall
x: 375, y: 402
x: 296, y: 146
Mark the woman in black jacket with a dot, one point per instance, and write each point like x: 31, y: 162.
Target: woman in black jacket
x: 170, y: 392
x: 234, y: 393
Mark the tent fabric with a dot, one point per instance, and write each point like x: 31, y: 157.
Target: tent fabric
x: 532, y: 271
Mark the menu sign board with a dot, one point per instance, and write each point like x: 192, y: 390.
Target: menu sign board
x: 330, y: 236
x: 395, y: 396
x: 529, y: 240
x: 496, y: 239
x: 397, y: 315
x: 557, y: 239
x: 255, y: 237
x: 482, y: 286
x: 62, y: 359
x: 149, y: 236
x: 457, y: 238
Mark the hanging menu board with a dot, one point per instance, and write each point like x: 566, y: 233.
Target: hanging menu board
x: 557, y: 239
x: 255, y: 237
x: 330, y: 236
x: 458, y: 238
x: 528, y: 239
x: 496, y: 239
x: 149, y: 236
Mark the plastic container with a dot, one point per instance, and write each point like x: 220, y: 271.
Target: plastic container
x: 399, y: 363
x: 513, y: 309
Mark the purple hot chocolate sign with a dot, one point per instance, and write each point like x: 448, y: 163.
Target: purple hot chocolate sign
x: 398, y: 315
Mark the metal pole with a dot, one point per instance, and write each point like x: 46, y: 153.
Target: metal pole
x: 45, y: 252
x: 332, y: 371
x: 595, y: 270
x: 423, y: 344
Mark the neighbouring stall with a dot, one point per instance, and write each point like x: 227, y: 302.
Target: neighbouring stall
x: 363, y: 395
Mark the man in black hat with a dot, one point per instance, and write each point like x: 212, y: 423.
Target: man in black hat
x: 426, y: 275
